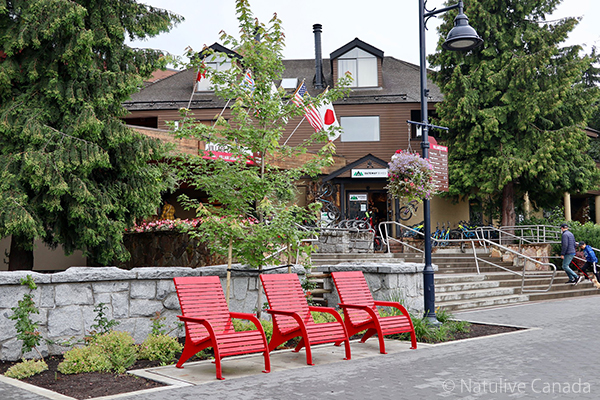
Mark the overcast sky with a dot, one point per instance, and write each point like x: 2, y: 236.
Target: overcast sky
x: 389, y: 25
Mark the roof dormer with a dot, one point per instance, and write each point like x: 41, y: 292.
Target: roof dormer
x: 362, y: 60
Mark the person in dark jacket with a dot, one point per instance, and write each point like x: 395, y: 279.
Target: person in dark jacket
x: 567, y: 252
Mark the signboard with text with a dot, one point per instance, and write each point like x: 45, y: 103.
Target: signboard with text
x: 438, y: 156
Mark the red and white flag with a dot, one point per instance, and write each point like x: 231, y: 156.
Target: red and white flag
x: 329, y: 118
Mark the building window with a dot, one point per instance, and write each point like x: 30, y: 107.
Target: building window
x: 214, y: 64
x: 360, y: 129
x: 362, y: 66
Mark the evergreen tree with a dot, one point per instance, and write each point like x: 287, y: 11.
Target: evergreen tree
x: 516, y: 107
x: 71, y: 172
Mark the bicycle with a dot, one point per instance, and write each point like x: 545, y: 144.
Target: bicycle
x: 409, y: 210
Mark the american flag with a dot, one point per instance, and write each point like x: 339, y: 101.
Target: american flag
x: 248, y: 80
x: 310, y: 112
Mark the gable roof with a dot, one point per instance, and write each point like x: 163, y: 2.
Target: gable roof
x: 356, y: 43
x: 400, y: 84
x: 365, y: 162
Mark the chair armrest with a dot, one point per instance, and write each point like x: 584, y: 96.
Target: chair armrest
x: 328, y: 310
x: 250, y: 317
x: 367, y: 309
x: 200, y: 321
x: 343, y: 305
x: 287, y: 314
x: 393, y: 304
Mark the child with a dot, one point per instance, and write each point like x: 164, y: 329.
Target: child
x: 590, y: 262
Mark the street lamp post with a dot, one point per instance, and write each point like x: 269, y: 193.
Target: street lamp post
x: 461, y: 37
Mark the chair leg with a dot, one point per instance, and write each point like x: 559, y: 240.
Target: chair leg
x: 413, y: 339
x: 267, y: 362
x: 381, y: 343
x: 299, y: 346
x: 309, y: 360
x: 348, y: 354
x: 370, y: 332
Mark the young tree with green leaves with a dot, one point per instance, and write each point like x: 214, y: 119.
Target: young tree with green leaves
x: 71, y: 172
x: 251, y: 212
x: 516, y: 107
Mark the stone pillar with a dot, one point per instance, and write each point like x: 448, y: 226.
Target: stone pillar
x: 597, y: 209
x: 567, y: 203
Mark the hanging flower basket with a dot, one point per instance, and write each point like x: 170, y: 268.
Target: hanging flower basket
x: 410, y: 177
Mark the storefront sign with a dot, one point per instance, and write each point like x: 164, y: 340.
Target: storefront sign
x: 370, y: 173
x: 358, y: 197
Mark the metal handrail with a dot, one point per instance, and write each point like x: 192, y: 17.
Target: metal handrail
x: 551, y: 273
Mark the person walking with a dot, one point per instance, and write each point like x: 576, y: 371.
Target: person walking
x: 590, y: 259
x: 567, y: 252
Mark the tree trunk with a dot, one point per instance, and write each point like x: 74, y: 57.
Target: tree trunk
x: 508, y: 208
x: 20, y: 259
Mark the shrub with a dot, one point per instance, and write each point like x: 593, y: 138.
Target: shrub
x: 120, y: 349
x: 160, y: 347
x: 89, y: 358
x: 26, y: 368
x: 110, y: 351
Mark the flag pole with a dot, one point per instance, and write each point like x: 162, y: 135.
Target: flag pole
x: 295, y: 129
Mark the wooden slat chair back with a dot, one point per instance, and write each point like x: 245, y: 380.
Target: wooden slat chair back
x: 292, y: 316
x: 361, y: 312
x: 208, y: 323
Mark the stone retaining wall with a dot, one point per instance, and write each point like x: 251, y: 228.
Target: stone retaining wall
x: 66, y: 300
x: 401, y: 282
x: 342, y: 241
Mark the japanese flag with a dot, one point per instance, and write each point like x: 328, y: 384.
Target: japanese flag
x: 328, y: 116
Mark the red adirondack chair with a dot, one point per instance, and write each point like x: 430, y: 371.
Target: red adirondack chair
x: 360, y: 310
x: 292, y: 316
x: 208, y: 323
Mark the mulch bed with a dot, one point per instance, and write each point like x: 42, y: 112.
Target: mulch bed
x: 96, y: 384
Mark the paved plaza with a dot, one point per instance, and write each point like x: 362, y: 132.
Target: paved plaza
x: 555, y: 359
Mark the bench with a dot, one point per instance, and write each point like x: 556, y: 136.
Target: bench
x: 292, y: 316
x: 208, y: 323
x: 361, y: 313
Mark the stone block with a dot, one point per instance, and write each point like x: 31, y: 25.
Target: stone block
x: 164, y: 272
x: 88, y: 274
x: 14, y: 277
x: 120, y: 305
x: 144, y: 308
x: 110, y: 287
x: 164, y: 288
x: 373, y: 281
x: 171, y: 302
x: 11, y: 294
x: 73, y: 294
x: 240, y: 288
x: 7, y: 326
x: 47, y: 293
x: 11, y: 350
x: 65, y: 322
x: 145, y: 289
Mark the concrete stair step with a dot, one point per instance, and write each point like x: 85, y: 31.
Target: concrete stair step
x: 572, y: 291
x: 474, y: 294
x: 482, y: 302
x: 465, y: 286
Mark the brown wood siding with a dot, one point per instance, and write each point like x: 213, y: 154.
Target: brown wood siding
x: 393, y: 128
x: 394, y: 131
x: 379, y: 72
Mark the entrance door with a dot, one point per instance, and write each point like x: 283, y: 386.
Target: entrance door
x: 358, y: 205
x: 373, y: 202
